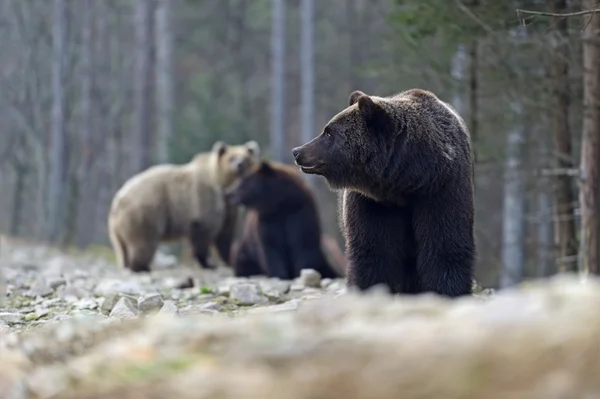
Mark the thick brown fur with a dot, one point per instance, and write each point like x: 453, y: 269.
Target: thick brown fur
x: 170, y: 202
x: 282, y: 232
x: 404, y: 167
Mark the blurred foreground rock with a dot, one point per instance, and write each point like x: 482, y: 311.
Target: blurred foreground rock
x: 541, y: 341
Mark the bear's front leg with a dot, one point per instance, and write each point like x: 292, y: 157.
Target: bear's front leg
x: 443, y: 228
x: 200, y: 240
x: 246, y: 262
x: 272, y: 237
x: 379, y: 244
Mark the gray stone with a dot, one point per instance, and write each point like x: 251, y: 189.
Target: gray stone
x: 86, y: 303
x: 124, y: 309
x: 310, y: 278
x: 109, y: 303
x: 37, y: 314
x: 178, y: 282
x: 326, y: 282
x: 39, y: 289
x: 150, y: 303
x: 10, y: 318
x: 115, y: 286
x: 275, y: 288
x: 196, y: 309
x: 246, y: 294
x: 56, y: 282
x: 211, y: 306
x: 169, y: 307
x: 72, y: 293
x: 283, y: 307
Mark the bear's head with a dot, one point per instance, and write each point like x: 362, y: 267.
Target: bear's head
x: 234, y: 161
x: 269, y: 188
x: 355, y: 146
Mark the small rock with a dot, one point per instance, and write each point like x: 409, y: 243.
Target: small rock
x: 115, y: 286
x: 35, y: 315
x: 124, y: 309
x: 86, y: 304
x: 179, y: 283
x: 223, y: 290
x: 246, y: 294
x: 109, y: 303
x: 56, y: 282
x: 212, y: 306
x: 336, y: 285
x: 72, y: 293
x: 326, y: 282
x: 169, y: 307
x: 10, y: 318
x: 275, y: 288
x: 196, y: 309
x: 39, y: 289
x: 297, y: 286
x: 283, y: 307
x: 150, y: 302
x: 310, y: 278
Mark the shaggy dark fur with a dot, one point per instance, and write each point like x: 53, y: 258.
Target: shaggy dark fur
x: 282, y: 233
x: 405, y: 170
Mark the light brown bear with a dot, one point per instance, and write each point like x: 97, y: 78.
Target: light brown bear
x: 170, y: 202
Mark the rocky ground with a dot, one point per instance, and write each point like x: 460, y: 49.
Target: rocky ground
x: 74, y: 326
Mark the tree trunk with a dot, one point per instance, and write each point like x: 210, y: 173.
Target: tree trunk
x: 545, y: 239
x: 141, y: 91
x: 590, y: 144
x: 307, y: 70
x: 58, y: 156
x: 564, y: 197
x: 354, y: 23
x: 279, y: 150
x: 513, y: 228
x: 458, y: 73
x: 18, y: 197
x: 84, y: 204
x: 164, y: 78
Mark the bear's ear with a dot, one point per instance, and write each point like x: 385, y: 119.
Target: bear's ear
x: 253, y: 148
x: 219, y: 148
x: 373, y: 114
x: 354, y: 97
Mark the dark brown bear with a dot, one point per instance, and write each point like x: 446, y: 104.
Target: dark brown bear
x: 282, y: 233
x: 404, y: 167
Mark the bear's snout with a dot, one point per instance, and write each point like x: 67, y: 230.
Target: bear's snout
x: 295, y: 152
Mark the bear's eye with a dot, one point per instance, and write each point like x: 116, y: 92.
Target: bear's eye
x: 328, y: 134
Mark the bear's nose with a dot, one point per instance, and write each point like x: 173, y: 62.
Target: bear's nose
x: 295, y: 152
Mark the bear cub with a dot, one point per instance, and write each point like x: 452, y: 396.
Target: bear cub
x: 404, y: 168
x: 282, y: 232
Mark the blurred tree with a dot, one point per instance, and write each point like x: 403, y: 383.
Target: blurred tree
x: 141, y: 144
x: 564, y: 197
x: 279, y: 148
x: 590, y: 147
x: 58, y: 159
x: 164, y: 78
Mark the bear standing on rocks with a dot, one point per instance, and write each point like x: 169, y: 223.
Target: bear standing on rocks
x: 282, y: 233
x: 169, y: 202
x: 404, y: 166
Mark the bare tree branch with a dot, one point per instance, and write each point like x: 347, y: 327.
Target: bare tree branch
x: 559, y: 15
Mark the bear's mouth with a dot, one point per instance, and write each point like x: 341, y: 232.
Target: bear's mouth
x: 310, y: 169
